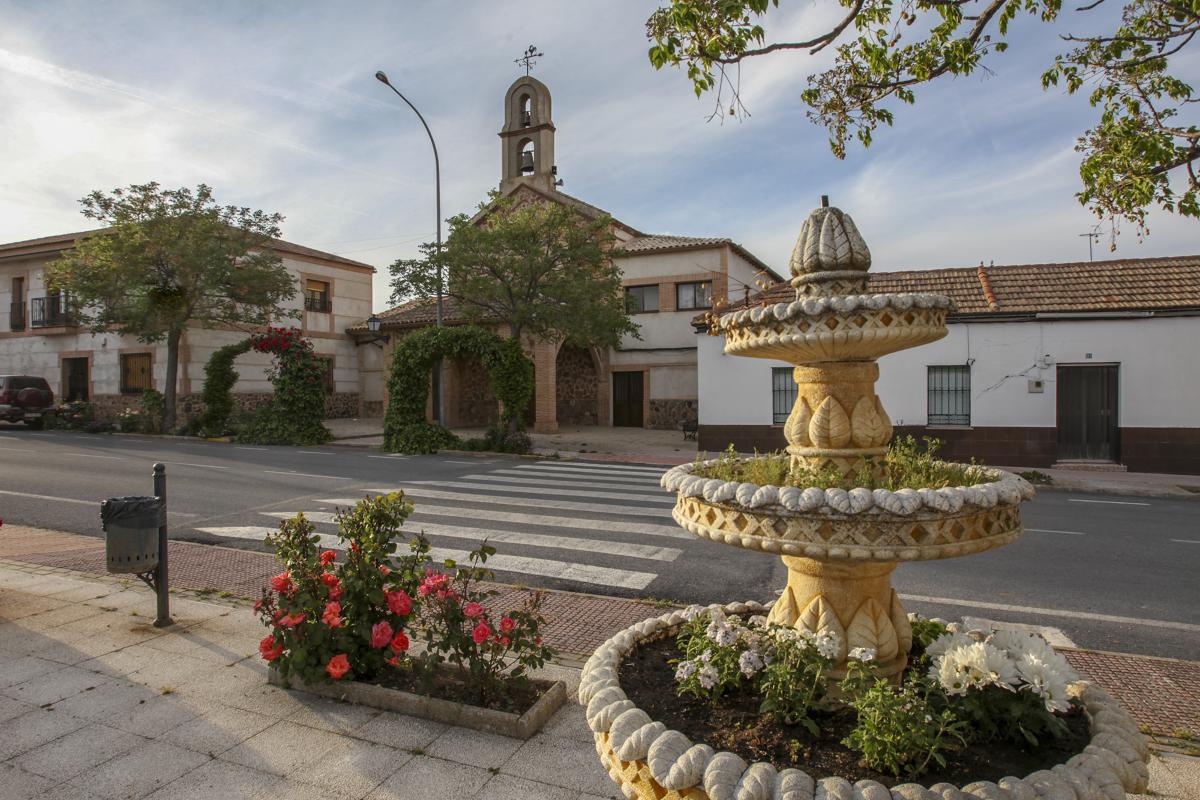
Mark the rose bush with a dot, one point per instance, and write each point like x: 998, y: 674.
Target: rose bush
x: 354, y: 618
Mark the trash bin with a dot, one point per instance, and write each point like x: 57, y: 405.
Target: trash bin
x: 131, y: 526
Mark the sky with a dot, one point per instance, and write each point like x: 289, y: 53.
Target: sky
x: 275, y: 106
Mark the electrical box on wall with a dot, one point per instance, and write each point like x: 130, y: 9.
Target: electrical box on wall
x: 1037, y: 386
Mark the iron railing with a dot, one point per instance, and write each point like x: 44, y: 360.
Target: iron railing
x: 52, y: 311
x: 316, y: 301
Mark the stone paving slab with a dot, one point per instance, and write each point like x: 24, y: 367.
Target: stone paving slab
x: 226, y: 734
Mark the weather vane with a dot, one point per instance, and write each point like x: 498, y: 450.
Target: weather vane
x: 531, y: 55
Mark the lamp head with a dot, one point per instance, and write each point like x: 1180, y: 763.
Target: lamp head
x: 382, y: 77
x: 373, y: 323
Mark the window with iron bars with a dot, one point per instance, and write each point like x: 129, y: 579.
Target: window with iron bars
x: 783, y: 394
x: 949, y: 393
x: 316, y: 296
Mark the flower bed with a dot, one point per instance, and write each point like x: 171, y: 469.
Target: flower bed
x: 338, y: 622
x: 1099, y: 752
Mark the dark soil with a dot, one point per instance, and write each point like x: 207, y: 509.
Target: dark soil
x: 734, y: 724
x: 447, y: 684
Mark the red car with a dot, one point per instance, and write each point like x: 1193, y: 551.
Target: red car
x: 25, y: 398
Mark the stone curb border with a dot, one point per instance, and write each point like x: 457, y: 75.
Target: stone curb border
x: 1005, y: 489
x: 488, y: 720
x: 839, y: 304
x: 1113, y: 763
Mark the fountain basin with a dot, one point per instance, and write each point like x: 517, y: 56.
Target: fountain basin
x: 650, y: 762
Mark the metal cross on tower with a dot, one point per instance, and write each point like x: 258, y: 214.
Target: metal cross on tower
x: 531, y: 55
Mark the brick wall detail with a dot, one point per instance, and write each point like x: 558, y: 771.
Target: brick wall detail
x: 577, y: 387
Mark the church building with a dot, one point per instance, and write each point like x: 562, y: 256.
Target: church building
x: 649, y: 382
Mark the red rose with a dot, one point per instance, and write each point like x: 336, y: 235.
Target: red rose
x: 400, y: 642
x: 328, y: 557
x: 399, y: 602
x: 333, y: 615
x: 269, y: 648
x: 335, y: 586
x: 338, y: 666
x: 504, y: 641
x: 473, y: 610
x: 291, y: 620
x: 381, y: 634
x: 481, y: 632
x: 384, y: 571
x: 507, y: 625
x: 282, y: 582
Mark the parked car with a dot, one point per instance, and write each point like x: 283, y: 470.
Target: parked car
x: 25, y: 398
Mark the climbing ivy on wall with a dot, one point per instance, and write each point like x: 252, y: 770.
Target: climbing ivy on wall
x: 297, y: 408
x: 405, y: 428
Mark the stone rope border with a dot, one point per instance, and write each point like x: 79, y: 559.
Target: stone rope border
x: 839, y: 304
x: 1005, y: 489
x: 1113, y: 763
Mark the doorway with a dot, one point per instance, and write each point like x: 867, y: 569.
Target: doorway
x: 74, y: 379
x: 1087, y: 413
x: 627, y: 399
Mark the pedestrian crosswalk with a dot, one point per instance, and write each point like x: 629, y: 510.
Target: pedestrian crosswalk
x: 594, y: 524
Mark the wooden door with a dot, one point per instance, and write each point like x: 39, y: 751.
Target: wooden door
x: 1087, y: 413
x: 74, y: 379
x: 627, y: 399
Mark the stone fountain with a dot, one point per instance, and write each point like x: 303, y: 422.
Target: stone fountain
x: 840, y: 546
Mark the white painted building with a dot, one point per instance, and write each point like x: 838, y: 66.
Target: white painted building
x: 39, y: 336
x: 1042, y: 364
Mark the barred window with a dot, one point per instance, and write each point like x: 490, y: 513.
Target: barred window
x: 783, y: 394
x: 693, y: 295
x: 316, y: 296
x: 949, y: 395
x: 640, y: 299
x: 135, y: 373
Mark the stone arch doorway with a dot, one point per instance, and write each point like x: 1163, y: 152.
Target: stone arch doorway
x: 577, y: 379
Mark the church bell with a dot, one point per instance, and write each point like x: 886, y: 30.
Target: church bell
x: 527, y: 162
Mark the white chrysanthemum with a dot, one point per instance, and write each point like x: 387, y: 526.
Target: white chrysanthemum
x: 750, y: 662
x: 1046, y: 682
x: 685, y: 670
x: 708, y: 677
x: 974, y: 666
x: 1019, y: 644
x: 946, y: 642
x: 863, y: 654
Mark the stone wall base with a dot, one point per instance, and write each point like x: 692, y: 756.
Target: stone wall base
x: 669, y: 415
x: 340, y: 405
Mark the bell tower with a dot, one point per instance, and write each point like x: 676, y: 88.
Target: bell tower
x: 527, y: 139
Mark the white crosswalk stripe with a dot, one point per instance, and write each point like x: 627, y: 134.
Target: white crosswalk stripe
x: 518, y: 510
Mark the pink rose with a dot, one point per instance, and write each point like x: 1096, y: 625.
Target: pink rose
x: 399, y: 602
x: 507, y: 625
x: 481, y: 632
x: 282, y: 582
x: 291, y: 620
x: 333, y: 615
x: 400, y: 642
x: 381, y: 634
x: 473, y: 610
x: 338, y: 666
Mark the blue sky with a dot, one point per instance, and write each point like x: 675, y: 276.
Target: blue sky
x: 276, y: 107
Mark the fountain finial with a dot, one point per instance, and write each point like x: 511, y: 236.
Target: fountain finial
x: 829, y: 242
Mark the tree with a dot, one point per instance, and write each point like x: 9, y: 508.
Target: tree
x: 1130, y: 157
x: 540, y: 267
x: 169, y: 259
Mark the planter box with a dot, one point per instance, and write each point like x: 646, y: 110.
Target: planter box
x: 518, y: 726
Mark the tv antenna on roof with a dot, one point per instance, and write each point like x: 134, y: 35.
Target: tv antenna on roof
x: 531, y: 55
x: 1093, y: 236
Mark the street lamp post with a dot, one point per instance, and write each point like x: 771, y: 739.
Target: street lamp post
x: 437, y: 172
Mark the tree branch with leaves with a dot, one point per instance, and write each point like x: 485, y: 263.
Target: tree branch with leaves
x: 1142, y: 152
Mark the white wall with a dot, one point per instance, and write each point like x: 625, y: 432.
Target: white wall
x: 1159, y: 372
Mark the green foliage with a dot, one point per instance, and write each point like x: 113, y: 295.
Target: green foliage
x: 900, y: 731
x: 499, y: 440
x: 297, y: 408
x: 1037, y: 477
x: 884, y: 49
x: 715, y: 670
x: 405, y: 429
x: 170, y: 259
x: 794, y: 682
x: 540, y: 267
x: 219, y: 379
x: 154, y: 406
x: 924, y: 631
x: 909, y: 465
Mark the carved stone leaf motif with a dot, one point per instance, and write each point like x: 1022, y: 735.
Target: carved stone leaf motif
x: 784, y: 612
x: 819, y: 617
x: 868, y: 429
x: 830, y: 427
x: 901, y: 624
x: 872, y: 628
x: 884, y: 419
x: 796, y: 429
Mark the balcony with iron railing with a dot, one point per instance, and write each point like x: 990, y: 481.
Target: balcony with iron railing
x: 317, y: 301
x: 52, y: 311
x: 16, y: 316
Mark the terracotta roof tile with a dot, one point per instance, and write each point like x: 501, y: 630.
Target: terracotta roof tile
x: 1131, y: 284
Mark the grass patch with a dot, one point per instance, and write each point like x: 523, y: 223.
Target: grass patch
x: 1036, y: 477
x: 909, y: 465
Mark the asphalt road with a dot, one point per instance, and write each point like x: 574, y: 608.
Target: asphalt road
x: 1110, y: 572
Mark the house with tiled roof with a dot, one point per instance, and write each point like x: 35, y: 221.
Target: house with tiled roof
x: 1085, y: 364
x: 41, y: 336
x: 644, y: 382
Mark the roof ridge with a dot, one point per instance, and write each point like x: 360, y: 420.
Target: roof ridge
x: 988, y: 295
